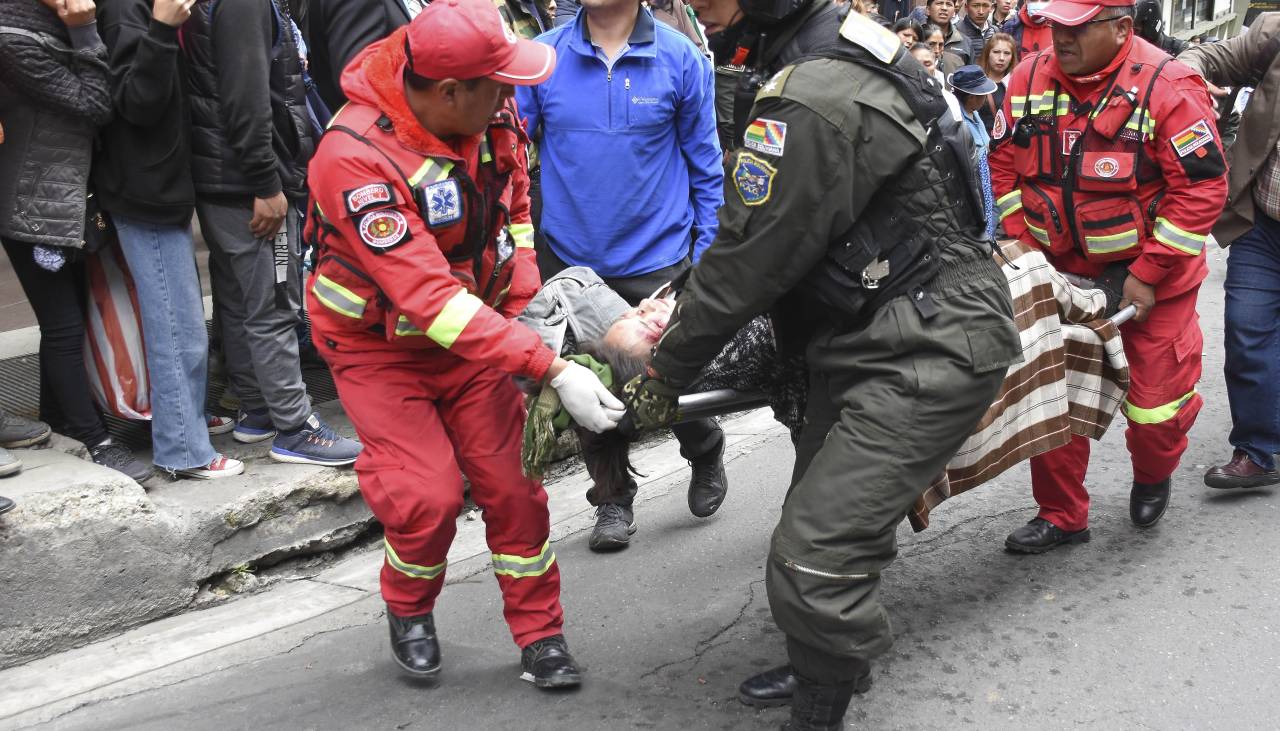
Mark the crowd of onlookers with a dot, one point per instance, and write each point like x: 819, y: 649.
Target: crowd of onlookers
x: 153, y: 113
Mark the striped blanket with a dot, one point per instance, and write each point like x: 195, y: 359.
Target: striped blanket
x: 1072, y: 380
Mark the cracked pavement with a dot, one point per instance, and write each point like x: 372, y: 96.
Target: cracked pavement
x: 1176, y: 627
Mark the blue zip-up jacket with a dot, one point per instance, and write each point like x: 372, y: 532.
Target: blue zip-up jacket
x: 630, y: 158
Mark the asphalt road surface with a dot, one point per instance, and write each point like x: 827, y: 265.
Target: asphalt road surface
x: 1175, y: 627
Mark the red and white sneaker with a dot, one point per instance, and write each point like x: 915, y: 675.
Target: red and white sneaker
x: 220, y: 424
x: 221, y: 466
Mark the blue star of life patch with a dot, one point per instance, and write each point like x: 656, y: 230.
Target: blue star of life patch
x: 444, y: 203
x: 753, y: 177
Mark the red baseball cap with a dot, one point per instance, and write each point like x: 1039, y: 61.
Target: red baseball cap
x: 1069, y: 12
x: 467, y: 39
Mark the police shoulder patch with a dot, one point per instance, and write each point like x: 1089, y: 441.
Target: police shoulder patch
x: 753, y: 177
x: 766, y: 135
x: 444, y: 203
x: 383, y: 229
x: 367, y: 196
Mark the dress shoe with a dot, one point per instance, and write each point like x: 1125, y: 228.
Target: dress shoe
x: 1147, y: 502
x: 819, y: 707
x: 547, y: 664
x: 1039, y: 535
x: 414, y: 645
x: 776, y: 686
x: 1241, y: 471
x: 708, y: 484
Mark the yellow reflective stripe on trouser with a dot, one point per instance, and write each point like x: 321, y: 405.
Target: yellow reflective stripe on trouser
x: 453, y: 317
x: 1039, y: 234
x: 1158, y: 414
x: 412, y: 570
x: 405, y: 328
x: 522, y: 234
x: 1112, y: 243
x: 1008, y: 203
x: 522, y: 567
x: 1174, y: 237
x: 338, y: 298
x: 431, y: 171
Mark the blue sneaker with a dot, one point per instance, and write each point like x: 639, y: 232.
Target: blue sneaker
x: 315, y: 442
x: 253, y: 426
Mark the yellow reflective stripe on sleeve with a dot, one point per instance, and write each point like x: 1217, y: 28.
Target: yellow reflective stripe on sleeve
x: 1175, y: 238
x: 1157, y: 415
x: 453, y: 317
x: 1039, y: 234
x: 522, y: 234
x: 338, y: 298
x: 524, y: 567
x: 412, y: 570
x: 1009, y: 203
x: 1112, y: 243
x: 405, y: 328
x: 486, y: 154
x: 431, y: 171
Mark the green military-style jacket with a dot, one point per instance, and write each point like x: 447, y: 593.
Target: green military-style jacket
x: 824, y: 136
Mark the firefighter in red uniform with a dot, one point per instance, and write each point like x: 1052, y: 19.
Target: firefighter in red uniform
x: 1107, y: 157
x: 420, y: 214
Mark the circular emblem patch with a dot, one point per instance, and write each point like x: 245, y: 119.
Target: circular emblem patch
x: 1106, y: 167
x: 383, y: 229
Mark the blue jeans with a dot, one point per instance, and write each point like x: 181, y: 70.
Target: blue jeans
x: 162, y: 261
x: 1253, y: 340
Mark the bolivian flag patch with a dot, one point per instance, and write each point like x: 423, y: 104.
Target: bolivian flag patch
x: 1192, y: 139
x: 753, y: 178
x: 766, y: 135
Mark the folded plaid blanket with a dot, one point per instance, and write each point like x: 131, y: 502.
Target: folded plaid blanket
x: 1072, y: 380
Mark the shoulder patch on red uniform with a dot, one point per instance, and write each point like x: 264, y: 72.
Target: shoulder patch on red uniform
x: 1000, y: 126
x: 367, y: 196
x: 1192, y: 139
x: 383, y: 230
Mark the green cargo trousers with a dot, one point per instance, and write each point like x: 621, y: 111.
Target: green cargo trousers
x: 888, y: 407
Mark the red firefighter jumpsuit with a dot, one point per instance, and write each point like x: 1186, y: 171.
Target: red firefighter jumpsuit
x: 425, y: 254
x: 1123, y: 165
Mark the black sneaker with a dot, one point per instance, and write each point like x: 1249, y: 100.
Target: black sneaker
x: 315, y: 442
x: 547, y: 664
x: 16, y: 431
x: 614, y: 526
x: 120, y: 459
x: 6, y: 504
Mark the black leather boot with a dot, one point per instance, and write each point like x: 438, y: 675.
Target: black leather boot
x: 414, y: 645
x: 547, y: 664
x: 1039, y: 535
x: 708, y: 483
x: 776, y: 686
x: 819, y: 707
x: 1147, y: 502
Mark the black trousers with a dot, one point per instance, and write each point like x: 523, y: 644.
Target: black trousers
x: 697, y: 438
x: 57, y: 299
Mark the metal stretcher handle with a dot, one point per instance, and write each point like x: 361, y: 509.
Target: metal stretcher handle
x: 723, y: 401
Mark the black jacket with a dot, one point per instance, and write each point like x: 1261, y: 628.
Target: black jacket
x: 53, y: 96
x: 251, y: 135
x: 336, y: 30
x: 143, y: 165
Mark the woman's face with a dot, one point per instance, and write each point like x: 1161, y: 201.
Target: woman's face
x: 1001, y: 57
x: 926, y: 59
x: 935, y: 43
x: 908, y: 37
x: 638, y: 329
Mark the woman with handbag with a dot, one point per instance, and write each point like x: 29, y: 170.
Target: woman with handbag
x: 54, y: 94
x: 142, y: 173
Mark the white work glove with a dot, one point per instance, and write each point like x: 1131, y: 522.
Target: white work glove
x: 586, y: 399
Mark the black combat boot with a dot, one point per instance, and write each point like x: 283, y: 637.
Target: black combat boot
x: 1147, y: 503
x: 819, y: 707
x: 708, y: 484
x: 547, y: 664
x: 414, y: 645
x: 774, y: 687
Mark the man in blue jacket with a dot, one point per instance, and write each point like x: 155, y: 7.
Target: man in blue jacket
x: 631, y: 180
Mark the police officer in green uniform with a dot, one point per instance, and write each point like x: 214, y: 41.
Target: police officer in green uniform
x: 852, y: 213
